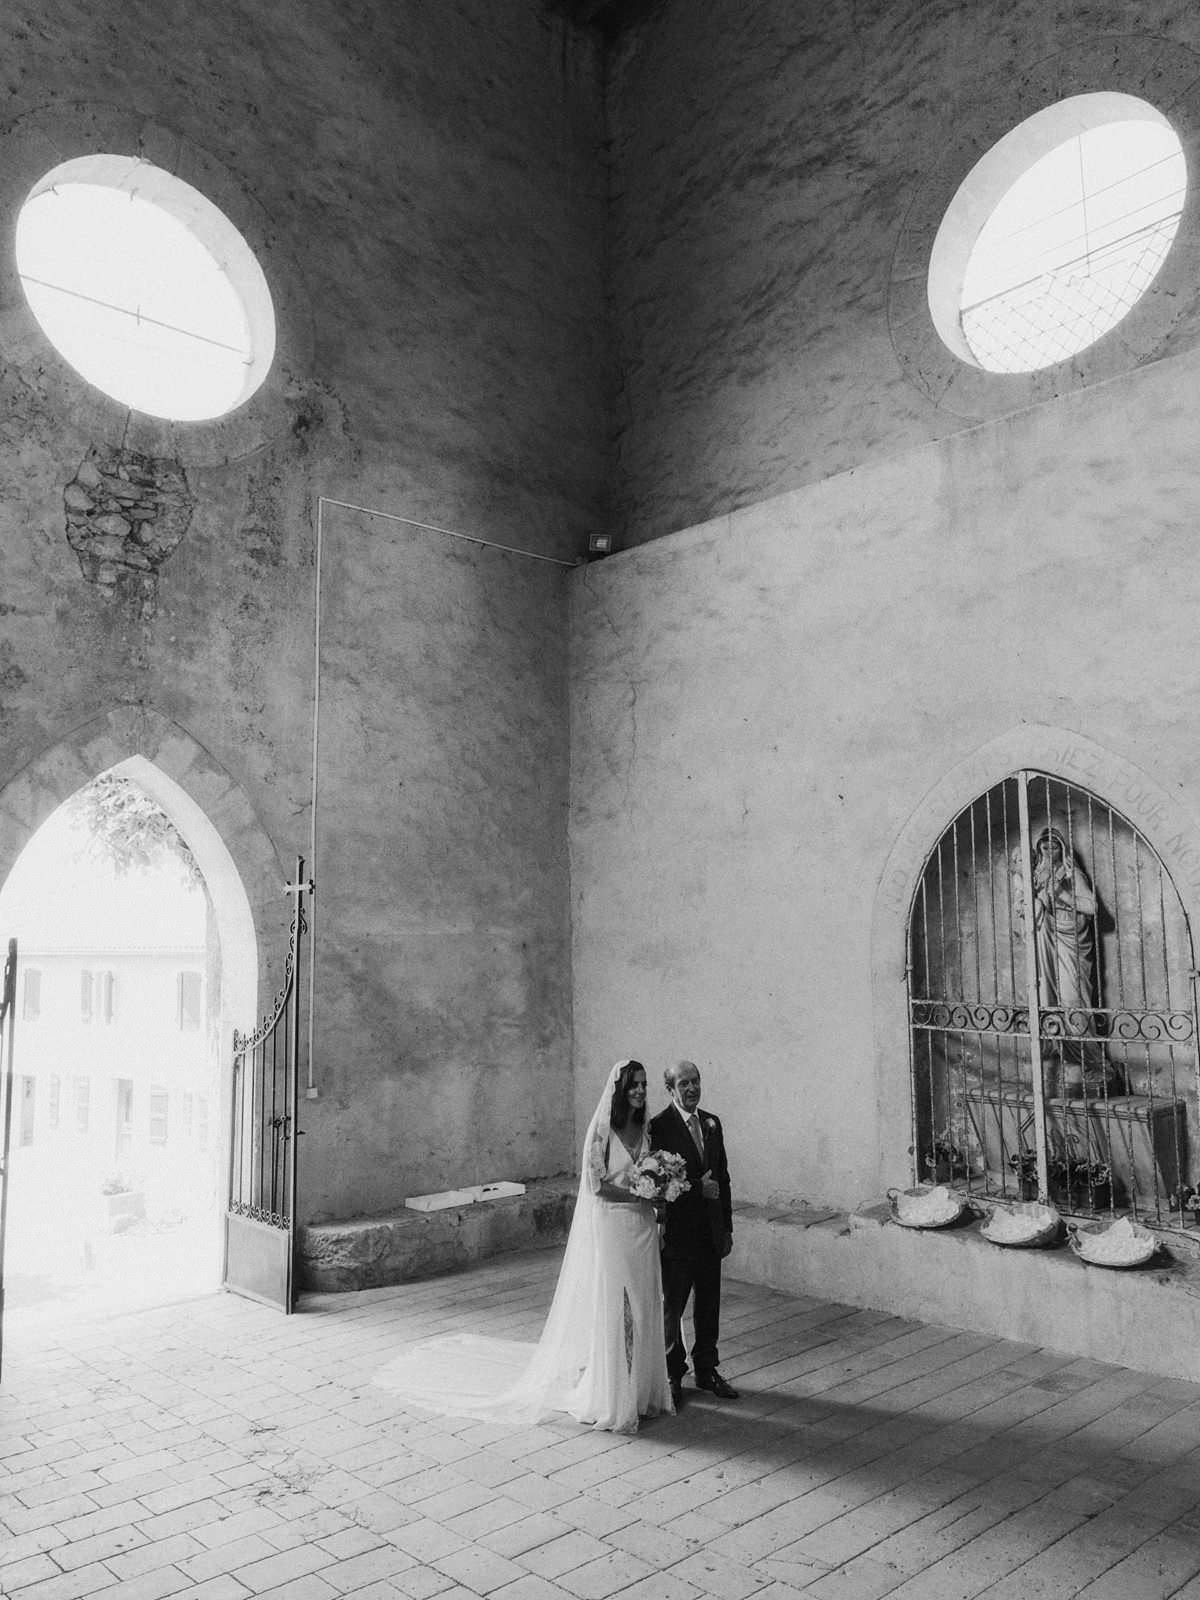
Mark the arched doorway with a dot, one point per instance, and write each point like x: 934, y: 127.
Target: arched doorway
x: 1052, y: 1007
x: 216, y: 988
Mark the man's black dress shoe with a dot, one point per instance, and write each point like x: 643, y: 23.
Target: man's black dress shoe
x: 677, y: 1396
x: 715, y: 1384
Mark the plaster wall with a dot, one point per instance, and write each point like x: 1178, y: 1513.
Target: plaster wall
x: 776, y: 713
x: 420, y: 186
x: 779, y: 170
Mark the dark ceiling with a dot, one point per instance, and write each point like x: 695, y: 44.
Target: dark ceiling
x: 608, y: 16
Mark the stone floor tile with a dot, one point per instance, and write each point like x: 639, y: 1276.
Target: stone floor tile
x: 425, y: 1540
x: 492, y: 1471
x: 222, y: 1588
x: 714, y: 1576
x: 611, y: 1574
x: 993, y: 1555
x: 694, y: 1528
x: 652, y: 1544
x: 99, y: 1520
x: 446, y: 1448
x: 353, y: 1573
x: 18, y: 1547
x: 861, y: 1579
x: 452, y: 1501
x: 16, y: 1574
x: 155, y: 1585
x: 569, y: 1550
x: 128, y: 1489
x: 662, y: 1506
x: 514, y: 1539
x: 349, y: 1541
x: 225, y: 1558
x: 232, y: 1471
x: 234, y: 1525
x: 139, y: 1466
x: 195, y: 1514
x: 12, y: 1484
x: 425, y: 1480
x: 665, y: 1586
x: 538, y: 1494
x: 593, y: 1515
x: 309, y: 1587
x: 421, y: 1582
x: 74, y: 1585
x: 481, y: 1571
x: 155, y: 1553
x: 497, y: 1512
x: 18, y: 1518
x: 1153, y: 1572
x: 531, y: 1587
x: 404, y: 1462
x: 281, y: 1568
x: 98, y: 1547
x: 381, y: 1513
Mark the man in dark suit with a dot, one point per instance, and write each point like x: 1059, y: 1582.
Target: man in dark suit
x: 698, y: 1233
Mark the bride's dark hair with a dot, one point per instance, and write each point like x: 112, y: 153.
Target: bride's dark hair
x: 620, y: 1110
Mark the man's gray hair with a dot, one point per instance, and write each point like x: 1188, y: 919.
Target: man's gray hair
x: 671, y: 1073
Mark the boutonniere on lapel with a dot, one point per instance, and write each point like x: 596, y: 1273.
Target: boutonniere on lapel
x: 709, y: 1124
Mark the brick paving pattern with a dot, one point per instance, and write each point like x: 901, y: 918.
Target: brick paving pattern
x: 218, y: 1450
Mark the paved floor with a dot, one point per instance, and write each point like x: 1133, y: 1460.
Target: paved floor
x: 218, y: 1450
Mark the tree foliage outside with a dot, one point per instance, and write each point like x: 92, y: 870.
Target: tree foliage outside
x: 128, y: 829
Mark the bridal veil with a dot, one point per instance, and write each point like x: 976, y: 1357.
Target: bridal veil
x: 502, y: 1380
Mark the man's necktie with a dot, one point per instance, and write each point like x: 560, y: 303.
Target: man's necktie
x: 697, y: 1136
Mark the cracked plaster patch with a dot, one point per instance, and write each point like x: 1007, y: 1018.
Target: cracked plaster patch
x: 125, y: 515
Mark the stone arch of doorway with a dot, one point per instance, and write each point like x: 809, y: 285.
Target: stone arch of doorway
x: 1169, y: 827
x: 213, y: 813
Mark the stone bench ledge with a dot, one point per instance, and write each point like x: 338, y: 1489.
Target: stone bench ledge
x: 374, y: 1252
x: 1146, y: 1317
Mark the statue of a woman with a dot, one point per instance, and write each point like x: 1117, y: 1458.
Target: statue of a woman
x: 1064, y: 927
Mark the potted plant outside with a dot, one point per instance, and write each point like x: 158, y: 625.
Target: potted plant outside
x: 121, y: 1204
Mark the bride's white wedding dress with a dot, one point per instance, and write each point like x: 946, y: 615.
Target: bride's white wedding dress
x: 601, y: 1357
x: 625, y: 1373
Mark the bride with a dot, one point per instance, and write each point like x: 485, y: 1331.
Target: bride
x: 601, y: 1357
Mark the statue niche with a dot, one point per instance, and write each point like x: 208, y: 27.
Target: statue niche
x: 1039, y: 889
x: 1066, y: 913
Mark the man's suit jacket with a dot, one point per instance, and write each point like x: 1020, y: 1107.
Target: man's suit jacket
x: 694, y: 1225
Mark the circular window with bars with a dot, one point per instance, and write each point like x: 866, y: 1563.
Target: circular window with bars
x: 1052, y: 1003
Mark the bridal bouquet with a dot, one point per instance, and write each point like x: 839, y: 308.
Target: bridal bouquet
x: 660, y: 1176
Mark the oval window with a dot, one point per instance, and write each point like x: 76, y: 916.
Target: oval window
x: 145, y: 287
x: 1057, y: 232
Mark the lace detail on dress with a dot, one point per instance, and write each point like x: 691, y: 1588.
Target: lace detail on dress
x: 597, y: 1160
x: 628, y: 1332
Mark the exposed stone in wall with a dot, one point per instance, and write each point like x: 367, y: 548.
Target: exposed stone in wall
x: 432, y: 247
x: 125, y: 514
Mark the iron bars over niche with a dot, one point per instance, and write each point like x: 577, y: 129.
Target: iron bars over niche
x: 1052, y: 1009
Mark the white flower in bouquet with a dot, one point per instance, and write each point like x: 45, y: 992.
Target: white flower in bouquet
x: 661, y: 1175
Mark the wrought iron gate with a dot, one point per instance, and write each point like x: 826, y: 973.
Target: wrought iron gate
x: 260, y: 1219
x: 8, y: 1006
x: 1052, y: 995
